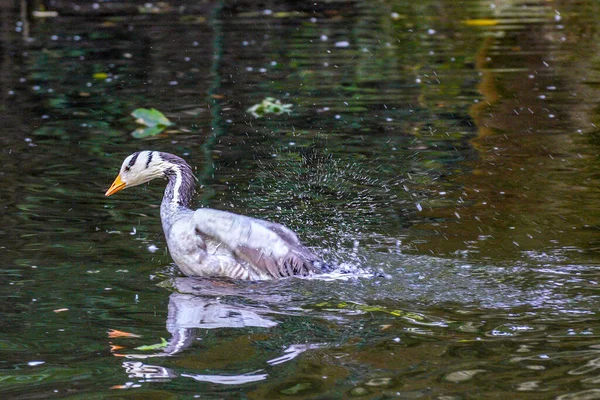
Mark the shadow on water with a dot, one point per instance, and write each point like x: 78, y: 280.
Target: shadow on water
x: 444, y: 158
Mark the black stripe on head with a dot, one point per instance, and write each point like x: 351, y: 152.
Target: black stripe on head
x: 149, y: 159
x: 133, y: 159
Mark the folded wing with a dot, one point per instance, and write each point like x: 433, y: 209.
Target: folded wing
x: 269, y: 247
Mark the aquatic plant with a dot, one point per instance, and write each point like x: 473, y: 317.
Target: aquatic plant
x: 153, y: 120
x: 269, y: 105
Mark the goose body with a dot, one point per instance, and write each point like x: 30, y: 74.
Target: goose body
x: 213, y: 243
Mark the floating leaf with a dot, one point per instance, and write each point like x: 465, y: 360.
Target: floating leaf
x: 481, y: 22
x: 163, y: 343
x: 269, y: 106
x: 113, y: 333
x: 148, y: 131
x: 150, y: 117
x: 100, y: 75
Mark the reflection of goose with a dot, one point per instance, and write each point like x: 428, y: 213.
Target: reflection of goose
x: 189, y: 311
x: 209, y: 242
x: 149, y: 373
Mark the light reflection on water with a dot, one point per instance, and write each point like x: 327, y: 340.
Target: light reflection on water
x: 440, y: 156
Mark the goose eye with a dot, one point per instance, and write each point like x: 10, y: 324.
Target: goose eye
x: 127, y: 168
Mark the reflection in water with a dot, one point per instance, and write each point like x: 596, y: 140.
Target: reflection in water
x: 153, y: 373
x: 292, y: 352
x: 188, y: 311
x: 195, y: 306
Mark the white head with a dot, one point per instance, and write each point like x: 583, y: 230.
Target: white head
x: 139, y: 168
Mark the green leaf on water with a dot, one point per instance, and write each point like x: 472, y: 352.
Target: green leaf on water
x: 144, y: 132
x: 269, y: 105
x: 163, y: 343
x: 150, y: 117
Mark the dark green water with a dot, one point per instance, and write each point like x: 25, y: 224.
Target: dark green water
x: 444, y: 154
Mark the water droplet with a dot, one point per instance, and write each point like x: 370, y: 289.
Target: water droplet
x: 35, y: 363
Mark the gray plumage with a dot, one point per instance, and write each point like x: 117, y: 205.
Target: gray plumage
x: 214, y: 243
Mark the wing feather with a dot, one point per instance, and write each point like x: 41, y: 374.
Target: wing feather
x: 267, y: 246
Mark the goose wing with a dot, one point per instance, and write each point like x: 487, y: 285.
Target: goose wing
x: 266, y: 246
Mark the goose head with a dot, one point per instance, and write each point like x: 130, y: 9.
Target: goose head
x: 138, y: 168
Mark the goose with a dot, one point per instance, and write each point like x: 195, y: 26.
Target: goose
x: 214, y: 243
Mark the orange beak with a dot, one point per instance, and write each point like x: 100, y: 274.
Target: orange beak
x: 117, y: 185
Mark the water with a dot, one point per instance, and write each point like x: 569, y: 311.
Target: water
x: 444, y: 157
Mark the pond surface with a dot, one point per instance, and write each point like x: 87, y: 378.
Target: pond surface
x: 444, y: 155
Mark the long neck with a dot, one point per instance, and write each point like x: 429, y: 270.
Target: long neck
x: 180, y: 188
